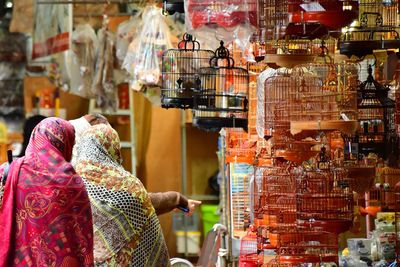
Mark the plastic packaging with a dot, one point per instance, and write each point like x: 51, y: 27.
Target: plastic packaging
x: 143, y: 59
x: 51, y: 30
x: 84, y: 47
x: 126, y: 32
x: 228, y: 20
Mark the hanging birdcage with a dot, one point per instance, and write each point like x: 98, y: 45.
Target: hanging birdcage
x: 180, y: 79
x: 223, y: 98
x: 375, y: 116
x: 325, y: 97
x: 273, y: 106
x: 377, y: 28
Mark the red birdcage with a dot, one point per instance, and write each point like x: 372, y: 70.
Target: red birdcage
x: 297, y: 247
x: 325, y: 97
x: 248, y: 252
x: 325, y: 199
x: 239, y: 148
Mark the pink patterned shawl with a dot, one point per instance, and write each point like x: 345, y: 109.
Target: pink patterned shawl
x: 45, y: 217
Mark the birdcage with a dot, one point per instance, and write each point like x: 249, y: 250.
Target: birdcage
x: 377, y: 28
x: 248, y: 252
x: 224, y: 13
x: 378, y: 13
x: 180, y: 79
x: 274, y: 105
x: 279, y: 187
x: 273, y: 19
x: 325, y: 97
x: 239, y: 148
x: 376, y: 117
x: 223, y: 98
x: 240, y: 175
x: 325, y: 197
x: 299, y: 247
x: 291, y: 52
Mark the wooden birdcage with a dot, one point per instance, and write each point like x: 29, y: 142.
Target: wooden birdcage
x: 377, y: 28
x: 223, y: 97
x: 274, y: 106
x: 180, y: 79
x: 376, y: 117
x: 325, y: 199
x: 325, y: 97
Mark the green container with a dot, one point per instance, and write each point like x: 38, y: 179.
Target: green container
x: 209, y: 216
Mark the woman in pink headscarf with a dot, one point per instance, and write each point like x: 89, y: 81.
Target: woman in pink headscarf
x: 45, y: 216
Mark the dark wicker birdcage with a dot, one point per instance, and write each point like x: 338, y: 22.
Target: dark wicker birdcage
x: 376, y: 117
x: 180, y: 79
x: 223, y: 97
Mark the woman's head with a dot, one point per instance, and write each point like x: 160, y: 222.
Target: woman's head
x: 106, y: 138
x: 29, y: 125
x: 52, y: 135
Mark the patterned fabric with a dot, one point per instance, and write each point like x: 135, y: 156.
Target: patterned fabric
x: 126, y: 229
x: 45, y: 217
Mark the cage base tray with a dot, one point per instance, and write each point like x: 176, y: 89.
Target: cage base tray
x: 348, y: 127
x: 175, y: 102
x: 306, y: 258
x: 332, y: 226
x: 363, y: 48
x: 288, y: 61
x: 217, y: 123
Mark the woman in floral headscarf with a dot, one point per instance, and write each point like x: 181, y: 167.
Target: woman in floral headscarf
x: 126, y: 228
x: 45, y: 216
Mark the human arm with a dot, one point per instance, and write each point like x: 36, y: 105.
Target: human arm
x: 165, y: 202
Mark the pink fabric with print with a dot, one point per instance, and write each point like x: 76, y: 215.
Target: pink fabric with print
x: 45, y: 218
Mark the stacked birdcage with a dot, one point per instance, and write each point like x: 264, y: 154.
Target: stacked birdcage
x: 239, y: 148
x: 180, y: 79
x: 223, y: 98
x: 248, y: 252
x: 300, y: 247
x: 274, y: 202
x: 377, y: 28
x: 325, y: 97
x: 376, y: 117
x: 325, y: 198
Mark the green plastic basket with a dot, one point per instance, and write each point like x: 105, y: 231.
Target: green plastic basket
x: 209, y: 216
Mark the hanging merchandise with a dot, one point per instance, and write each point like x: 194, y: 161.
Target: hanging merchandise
x: 143, y: 59
x: 84, y: 47
x: 376, y: 118
x: 126, y: 33
x: 223, y: 97
x: 229, y: 20
x: 180, y: 67
x: 325, y: 97
x: 377, y: 28
x: 103, y: 83
x: 52, y: 29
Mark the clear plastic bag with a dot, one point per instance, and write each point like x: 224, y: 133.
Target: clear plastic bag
x: 143, y: 59
x: 228, y: 20
x: 84, y: 47
x: 51, y: 30
x: 127, y: 31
